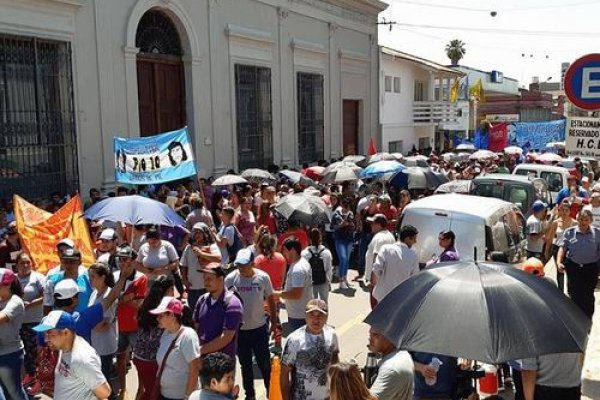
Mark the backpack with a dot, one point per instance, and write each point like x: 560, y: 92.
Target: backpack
x: 236, y: 246
x: 317, y: 267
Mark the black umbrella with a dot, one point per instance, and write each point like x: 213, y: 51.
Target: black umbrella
x: 303, y: 209
x: 418, y: 178
x: 488, y: 312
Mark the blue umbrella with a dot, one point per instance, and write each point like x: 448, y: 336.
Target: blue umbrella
x: 134, y: 210
x: 380, y: 168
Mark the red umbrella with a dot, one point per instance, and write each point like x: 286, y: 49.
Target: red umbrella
x: 314, y: 173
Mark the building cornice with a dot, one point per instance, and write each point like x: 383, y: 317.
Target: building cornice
x: 71, y: 3
x: 354, y: 10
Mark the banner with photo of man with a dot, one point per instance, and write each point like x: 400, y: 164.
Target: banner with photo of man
x: 154, y: 159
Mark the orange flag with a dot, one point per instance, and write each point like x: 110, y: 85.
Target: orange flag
x: 41, y: 230
x: 274, y: 385
x: 372, y: 147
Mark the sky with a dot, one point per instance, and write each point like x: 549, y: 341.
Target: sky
x: 547, y: 32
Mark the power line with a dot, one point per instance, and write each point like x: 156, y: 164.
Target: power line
x: 501, y: 31
x: 486, y: 10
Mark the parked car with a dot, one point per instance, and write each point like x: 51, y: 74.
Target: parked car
x: 519, y: 190
x: 555, y: 177
x: 482, y: 225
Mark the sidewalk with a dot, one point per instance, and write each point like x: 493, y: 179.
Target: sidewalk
x: 591, y: 367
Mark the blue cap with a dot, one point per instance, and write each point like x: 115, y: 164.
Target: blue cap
x: 56, y: 320
x: 538, y: 206
x: 244, y: 257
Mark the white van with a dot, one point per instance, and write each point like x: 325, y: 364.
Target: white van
x: 482, y: 223
x: 555, y: 177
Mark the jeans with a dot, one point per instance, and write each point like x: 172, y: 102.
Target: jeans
x: 193, y: 296
x: 365, y: 239
x: 296, y: 323
x: 110, y: 373
x: 11, y: 377
x: 29, y: 338
x: 321, y: 291
x: 344, y: 249
x: 254, y: 341
x: 560, y: 276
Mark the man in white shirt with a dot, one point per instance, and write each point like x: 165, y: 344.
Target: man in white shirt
x: 78, y: 374
x: 395, y: 263
x: 381, y: 237
x: 535, y: 231
x: 594, y: 207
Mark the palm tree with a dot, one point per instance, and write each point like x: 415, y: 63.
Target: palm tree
x: 455, y: 50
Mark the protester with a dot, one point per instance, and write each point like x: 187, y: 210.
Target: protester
x: 342, y: 223
x: 245, y: 222
x: 395, y: 375
x: 149, y: 334
x: 218, y: 314
x: 395, y: 263
x: 298, y: 284
x: 320, y: 260
x: 32, y: 283
x: 200, y: 252
x: 578, y: 255
x: 594, y: 207
x: 106, y: 248
x: 178, y: 356
x: 308, y: 354
x: 127, y: 310
x: 217, y: 378
x: 228, y: 237
x: 157, y: 257
x: 12, y: 312
x: 199, y: 213
x: 104, y: 337
x: 446, y: 240
x: 535, y: 230
x: 254, y: 287
x: 10, y: 246
x: 271, y: 261
x: 554, y: 237
x: 70, y: 261
x: 79, y: 375
x: 345, y: 383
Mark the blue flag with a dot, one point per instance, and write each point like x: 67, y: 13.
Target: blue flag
x: 154, y: 159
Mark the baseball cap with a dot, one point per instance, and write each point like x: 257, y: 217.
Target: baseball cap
x: 126, y: 252
x: 316, y: 305
x: 168, y: 304
x: 12, y: 228
x: 66, y: 242
x: 66, y: 289
x: 538, y: 205
x: 378, y: 218
x: 533, y: 266
x: 108, y: 234
x: 56, y: 320
x: 243, y: 257
x: 213, y: 268
x: 71, y: 254
x: 198, y: 226
x: 7, y: 277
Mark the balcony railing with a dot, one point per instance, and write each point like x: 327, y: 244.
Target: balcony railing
x: 435, y: 113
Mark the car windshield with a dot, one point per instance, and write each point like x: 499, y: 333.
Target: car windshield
x: 553, y: 179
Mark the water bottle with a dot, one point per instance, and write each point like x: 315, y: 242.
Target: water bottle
x: 434, y: 364
x: 370, y: 370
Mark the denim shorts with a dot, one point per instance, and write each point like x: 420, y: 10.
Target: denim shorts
x: 127, y: 341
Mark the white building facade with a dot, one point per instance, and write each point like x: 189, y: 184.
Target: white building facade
x: 257, y: 82
x: 414, y: 113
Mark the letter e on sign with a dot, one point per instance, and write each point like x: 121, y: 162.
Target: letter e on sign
x: 582, y: 82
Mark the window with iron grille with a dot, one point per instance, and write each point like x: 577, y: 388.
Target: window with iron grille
x: 254, y: 116
x: 396, y: 146
x: 310, y: 117
x: 38, y: 149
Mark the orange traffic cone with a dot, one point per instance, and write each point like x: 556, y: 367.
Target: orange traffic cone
x: 274, y: 387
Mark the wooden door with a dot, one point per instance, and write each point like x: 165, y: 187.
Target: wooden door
x: 161, y: 95
x: 350, y: 132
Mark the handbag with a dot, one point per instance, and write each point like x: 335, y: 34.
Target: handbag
x: 155, y: 393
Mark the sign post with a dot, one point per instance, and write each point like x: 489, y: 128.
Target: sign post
x: 582, y: 137
x: 582, y: 82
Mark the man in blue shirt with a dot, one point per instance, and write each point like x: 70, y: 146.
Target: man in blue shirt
x: 572, y: 189
x: 445, y: 377
x: 70, y: 260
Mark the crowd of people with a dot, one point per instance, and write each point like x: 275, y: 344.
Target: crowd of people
x: 183, y: 303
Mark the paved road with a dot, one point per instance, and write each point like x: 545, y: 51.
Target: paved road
x: 350, y: 307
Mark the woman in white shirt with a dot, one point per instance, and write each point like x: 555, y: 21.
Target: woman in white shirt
x: 178, y: 355
x: 104, y: 337
x: 317, y: 250
x: 156, y: 256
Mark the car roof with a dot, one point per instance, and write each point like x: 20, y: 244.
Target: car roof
x: 542, y: 167
x: 461, y: 203
x: 503, y: 177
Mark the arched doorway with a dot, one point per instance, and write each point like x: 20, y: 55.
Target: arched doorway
x: 160, y: 75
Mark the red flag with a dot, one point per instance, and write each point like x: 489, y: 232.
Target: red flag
x: 498, y: 137
x: 372, y: 148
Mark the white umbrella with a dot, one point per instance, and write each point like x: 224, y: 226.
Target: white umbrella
x: 340, y: 174
x: 465, y: 146
x: 549, y: 157
x: 450, y: 157
x: 483, y: 155
x: 513, y: 150
x: 257, y: 174
x: 357, y: 159
x: 416, y: 161
x: 556, y: 145
x: 227, y: 180
x: 342, y: 164
x: 398, y: 156
x: 381, y: 157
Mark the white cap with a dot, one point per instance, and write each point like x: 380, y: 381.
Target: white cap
x: 108, y: 234
x: 66, y: 242
x: 66, y: 289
